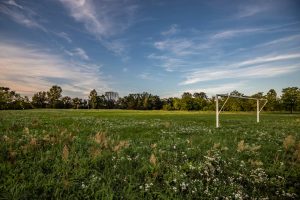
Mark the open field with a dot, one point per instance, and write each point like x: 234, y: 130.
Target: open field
x: 117, y: 154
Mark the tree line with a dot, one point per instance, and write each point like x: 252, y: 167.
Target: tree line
x: 9, y: 99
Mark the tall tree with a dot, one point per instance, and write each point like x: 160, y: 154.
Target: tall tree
x: 187, y: 101
x: 39, y: 100
x: 67, y: 102
x: 111, y: 96
x: 93, y: 99
x: 6, y: 97
x: 77, y: 102
x: 290, y: 98
x: 272, y: 100
x: 54, y: 95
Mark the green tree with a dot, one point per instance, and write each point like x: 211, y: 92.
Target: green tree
x: 54, y: 95
x: 272, y: 104
x: 290, y: 98
x: 6, y: 97
x: 39, y: 99
x: 93, y: 99
x: 187, y: 101
x: 67, y: 102
x: 76, y: 102
x: 200, y: 100
x: 234, y: 104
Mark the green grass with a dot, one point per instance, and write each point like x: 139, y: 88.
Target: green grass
x: 117, y: 154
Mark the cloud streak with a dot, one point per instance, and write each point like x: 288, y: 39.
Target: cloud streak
x: 78, y: 52
x: 171, y: 31
x: 266, y: 66
x: 31, y: 68
x: 21, y: 15
x: 110, y: 19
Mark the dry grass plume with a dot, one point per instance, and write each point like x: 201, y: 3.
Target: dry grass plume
x: 101, y: 139
x: 65, y: 153
x: 153, y: 160
x: 289, y: 142
x: 122, y: 144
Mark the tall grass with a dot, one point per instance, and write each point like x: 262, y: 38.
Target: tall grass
x: 112, y: 154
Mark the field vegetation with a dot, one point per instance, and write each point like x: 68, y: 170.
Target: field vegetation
x: 119, y: 154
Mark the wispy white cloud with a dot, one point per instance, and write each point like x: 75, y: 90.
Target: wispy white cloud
x: 21, y: 15
x: 64, y: 36
x: 173, y: 29
x: 234, y: 32
x: 268, y: 58
x: 30, y: 68
x: 14, y: 3
x: 181, y: 46
x: 280, y: 41
x: 78, y: 52
x: 149, y: 76
x: 254, y: 69
x: 145, y: 76
x: 252, y: 10
x: 103, y: 19
x: 167, y: 62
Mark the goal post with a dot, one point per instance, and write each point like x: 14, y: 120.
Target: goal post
x: 258, y: 108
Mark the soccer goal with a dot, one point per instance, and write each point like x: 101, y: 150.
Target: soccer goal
x: 258, y: 109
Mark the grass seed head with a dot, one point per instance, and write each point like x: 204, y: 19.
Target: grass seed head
x: 216, y: 145
x: 256, y: 163
x: 167, y: 124
x: 26, y: 130
x: 101, y: 139
x: 122, y: 144
x: 65, y: 153
x: 95, y: 152
x: 153, y: 159
x: 297, y: 152
x: 33, y: 142
x: 153, y: 146
x: 289, y: 142
x: 6, y: 139
x: 241, y: 146
x: 254, y: 148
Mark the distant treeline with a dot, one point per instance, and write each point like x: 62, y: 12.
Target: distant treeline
x: 289, y: 101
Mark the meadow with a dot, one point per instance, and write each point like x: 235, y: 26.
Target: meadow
x: 119, y: 154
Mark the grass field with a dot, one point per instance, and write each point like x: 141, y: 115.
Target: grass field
x: 115, y: 154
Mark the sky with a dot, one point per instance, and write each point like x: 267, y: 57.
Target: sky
x: 162, y: 47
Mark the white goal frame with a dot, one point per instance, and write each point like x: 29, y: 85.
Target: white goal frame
x: 258, y: 110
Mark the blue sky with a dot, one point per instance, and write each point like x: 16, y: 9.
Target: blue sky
x: 162, y: 47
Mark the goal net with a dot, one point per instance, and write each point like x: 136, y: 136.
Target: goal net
x: 258, y: 108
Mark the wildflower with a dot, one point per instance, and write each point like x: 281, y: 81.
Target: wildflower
x: 83, y: 186
x: 183, y: 185
x: 174, y: 188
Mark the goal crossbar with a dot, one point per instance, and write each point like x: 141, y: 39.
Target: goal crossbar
x: 258, y: 109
